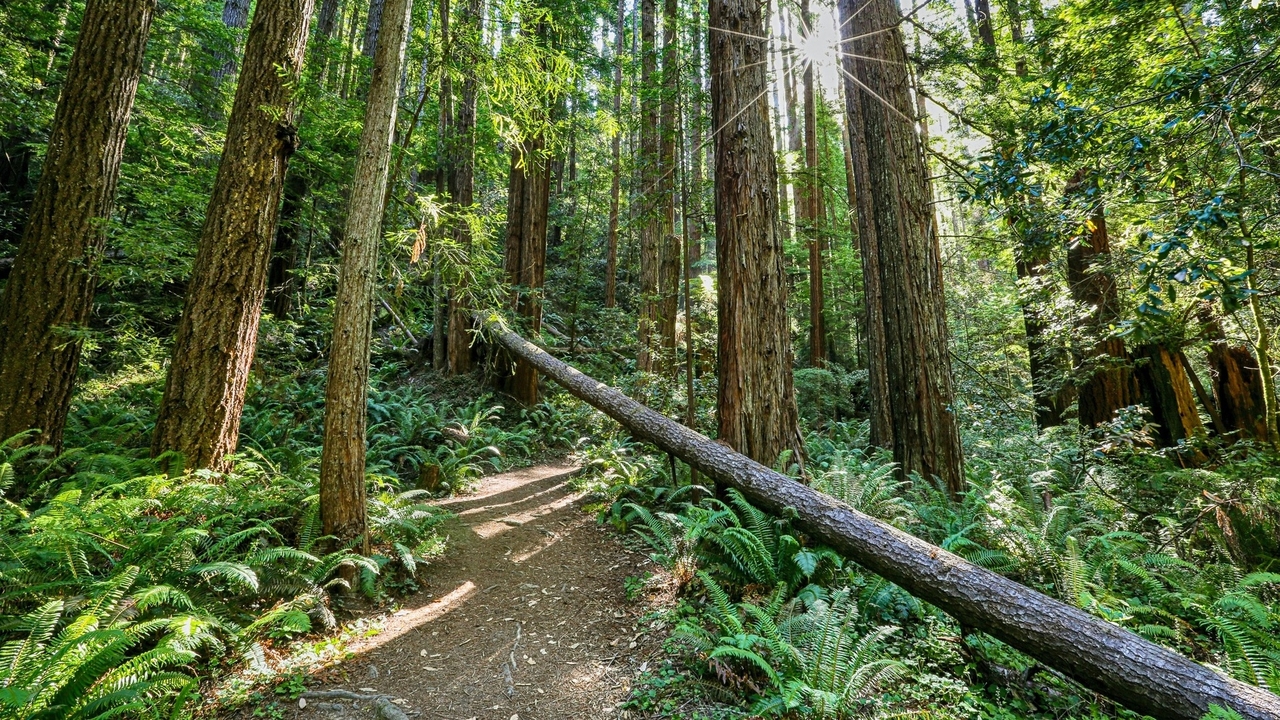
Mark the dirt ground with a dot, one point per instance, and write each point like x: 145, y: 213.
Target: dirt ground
x: 524, y: 618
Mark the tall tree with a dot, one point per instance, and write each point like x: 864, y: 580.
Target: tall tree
x: 1106, y: 381
x: 49, y: 294
x: 651, y: 238
x: 697, y: 209
x: 911, y: 387
x: 756, y: 404
x: 525, y: 264
x: 615, y: 191
x: 342, y: 461
x: 669, y: 270
x: 218, y: 333
x: 467, y: 49
x: 810, y: 203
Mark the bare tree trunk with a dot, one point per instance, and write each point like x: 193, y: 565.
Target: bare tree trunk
x: 342, y: 461
x: 698, y: 210
x: 1107, y: 382
x: 811, y: 200
x: 669, y: 269
x: 911, y: 386
x: 526, y: 251
x: 756, y: 403
x: 372, y: 25
x: 1102, y: 656
x: 235, y: 15
x: 1167, y: 389
x: 49, y: 295
x: 651, y: 237
x: 615, y: 191
x: 1237, y: 383
x: 466, y: 44
x: 204, y: 393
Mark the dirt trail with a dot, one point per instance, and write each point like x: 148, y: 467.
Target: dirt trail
x: 529, y: 577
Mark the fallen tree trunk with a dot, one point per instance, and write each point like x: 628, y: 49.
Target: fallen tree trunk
x: 1100, y: 656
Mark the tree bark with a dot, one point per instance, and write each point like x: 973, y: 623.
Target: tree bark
x: 466, y: 44
x: 615, y: 191
x: 1107, y: 383
x: 342, y: 461
x: 1135, y: 672
x: 526, y: 251
x: 372, y: 25
x: 49, y: 294
x: 235, y: 15
x: 811, y: 219
x: 669, y: 270
x: 1167, y: 390
x: 651, y: 237
x: 1237, y: 383
x: 756, y: 405
x: 697, y: 213
x: 280, y: 279
x: 911, y: 386
x: 204, y: 394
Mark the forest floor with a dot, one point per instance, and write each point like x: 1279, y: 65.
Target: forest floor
x: 525, y: 617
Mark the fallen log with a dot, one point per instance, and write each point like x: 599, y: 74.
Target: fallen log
x: 1101, y: 656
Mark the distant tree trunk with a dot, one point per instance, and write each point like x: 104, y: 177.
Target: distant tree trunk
x: 467, y: 42
x: 669, y: 271
x: 280, y: 280
x: 811, y: 199
x: 327, y: 21
x: 235, y: 15
x: 49, y: 295
x: 697, y: 213
x: 651, y: 237
x: 526, y: 251
x: 342, y: 462
x: 1052, y: 396
x: 615, y: 191
x: 1237, y: 383
x: 204, y: 394
x: 372, y: 24
x: 1107, y: 383
x: 756, y: 405
x: 911, y: 387
x: 986, y: 32
x: 779, y: 143
x: 1165, y: 386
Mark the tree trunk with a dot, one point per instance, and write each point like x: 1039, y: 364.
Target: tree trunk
x: 526, y: 251
x: 651, y: 237
x: 1103, y: 657
x: 911, y: 386
x: 615, y: 191
x: 1237, y: 383
x: 1051, y: 394
x: 986, y: 32
x: 49, y: 294
x: 697, y: 213
x: 1167, y: 390
x: 216, y: 339
x: 669, y: 271
x: 342, y: 462
x: 466, y: 44
x: 811, y: 219
x: 372, y: 24
x: 756, y: 405
x: 1107, y: 383
x: 280, y: 279
x: 235, y: 15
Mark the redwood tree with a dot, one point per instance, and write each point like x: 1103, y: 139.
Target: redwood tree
x: 342, y: 462
x: 50, y: 289
x: 650, y: 167
x: 756, y: 404
x: 218, y: 333
x: 467, y: 47
x: 615, y: 191
x: 911, y: 387
x: 525, y: 264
